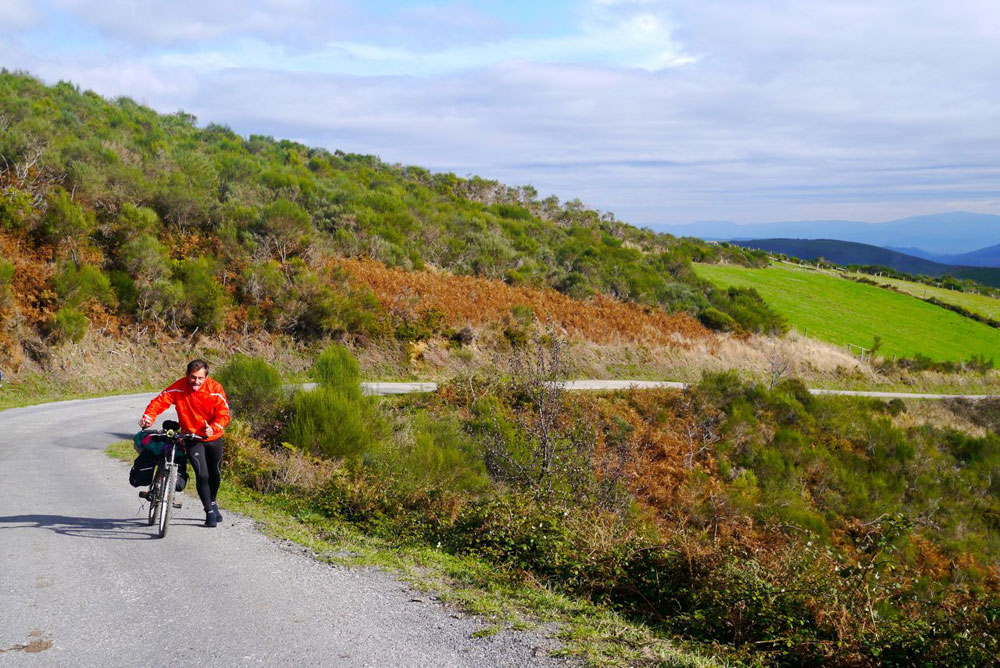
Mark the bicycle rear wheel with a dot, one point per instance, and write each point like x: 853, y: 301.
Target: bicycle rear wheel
x: 167, y: 500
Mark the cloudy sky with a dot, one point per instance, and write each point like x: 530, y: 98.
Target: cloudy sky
x: 662, y: 111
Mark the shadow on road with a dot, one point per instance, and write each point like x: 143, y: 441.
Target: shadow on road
x: 132, y: 528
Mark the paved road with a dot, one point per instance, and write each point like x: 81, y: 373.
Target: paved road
x: 84, y: 583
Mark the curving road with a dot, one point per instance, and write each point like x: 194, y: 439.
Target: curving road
x: 84, y: 583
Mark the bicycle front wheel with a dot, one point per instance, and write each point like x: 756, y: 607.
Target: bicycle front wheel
x: 151, y: 500
x: 167, y: 500
x: 156, y: 497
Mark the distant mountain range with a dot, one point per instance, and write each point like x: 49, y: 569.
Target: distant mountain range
x: 852, y: 253
x: 935, y: 237
x: 984, y: 257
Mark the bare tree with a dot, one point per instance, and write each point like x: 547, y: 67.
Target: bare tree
x: 545, y: 444
x: 779, y: 363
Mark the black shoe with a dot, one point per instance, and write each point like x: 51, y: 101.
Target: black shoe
x: 218, y: 515
x: 144, y: 495
x: 210, y: 519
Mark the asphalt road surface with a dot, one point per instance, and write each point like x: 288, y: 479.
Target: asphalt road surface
x: 84, y: 581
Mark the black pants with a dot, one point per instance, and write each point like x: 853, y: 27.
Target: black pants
x: 206, y: 460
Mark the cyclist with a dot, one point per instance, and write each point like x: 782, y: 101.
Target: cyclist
x: 203, y: 410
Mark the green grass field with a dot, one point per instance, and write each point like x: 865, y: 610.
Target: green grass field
x: 841, y: 311
x: 988, y: 306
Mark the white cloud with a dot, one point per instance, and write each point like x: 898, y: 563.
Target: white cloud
x: 18, y: 14
x: 659, y: 111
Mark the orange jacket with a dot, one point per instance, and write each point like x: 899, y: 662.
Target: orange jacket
x: 194, y: 409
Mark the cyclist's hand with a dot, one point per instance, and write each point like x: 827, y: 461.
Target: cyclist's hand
x: 208, y: 430
x: 144, y: 422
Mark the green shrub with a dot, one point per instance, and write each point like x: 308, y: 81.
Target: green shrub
x: 77, y: 285
x: 285, y: 228
x: 334, y: 420
x: 125, y: 290
x: 715, y: 319
x: 203, y: 306
x: 15, y: 209
x: 749, y: 310
x: 327, y: 422
x: 138, y: 221
x: 69, y: 325
x: 253, y: 387
x: 325, y: 304
x: 64, y: 220
x: 337, y: 369
x: 438, y: 456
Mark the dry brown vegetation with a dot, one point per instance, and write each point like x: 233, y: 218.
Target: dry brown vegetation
x: 470, y: 300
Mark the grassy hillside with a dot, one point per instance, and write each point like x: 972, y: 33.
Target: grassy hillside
x: 842, y: 311
x: 976, y: 303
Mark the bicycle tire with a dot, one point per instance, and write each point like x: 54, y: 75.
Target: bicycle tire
x: 151, y: 500
x: 157, y: 492
x: 167, y: 501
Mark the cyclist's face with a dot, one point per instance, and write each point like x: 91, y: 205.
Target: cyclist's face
x: 197, y: 379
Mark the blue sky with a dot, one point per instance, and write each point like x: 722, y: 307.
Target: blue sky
x: 661, y: 111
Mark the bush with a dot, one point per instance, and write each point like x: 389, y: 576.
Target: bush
x: 77, y: 285
x: 69, y: 325
x: 329, y: 423
x: 715, y: 319
x: 439, y: 456
x: 285, y: 228
x: 337, y: 369
x: 253, y: 387
x: 203, y: 304
x: 15, y: 209
x: 334, y: 420
x: 125, y: 290
x: 749, y: 310
x: 64, y: 219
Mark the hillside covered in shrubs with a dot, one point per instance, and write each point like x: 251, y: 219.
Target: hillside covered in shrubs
x: 112, y: 214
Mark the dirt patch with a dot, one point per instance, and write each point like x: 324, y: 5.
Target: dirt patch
x: 38, y: 643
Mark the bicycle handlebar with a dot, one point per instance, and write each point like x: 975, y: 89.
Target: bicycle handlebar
x: 174, y: 434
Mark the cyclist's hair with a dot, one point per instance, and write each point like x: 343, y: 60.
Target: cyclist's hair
x: 197, y: 365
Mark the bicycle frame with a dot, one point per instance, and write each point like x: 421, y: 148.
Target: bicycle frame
x: 161, y: 491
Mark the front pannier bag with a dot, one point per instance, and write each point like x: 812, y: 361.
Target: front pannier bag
x: 143, y: 468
